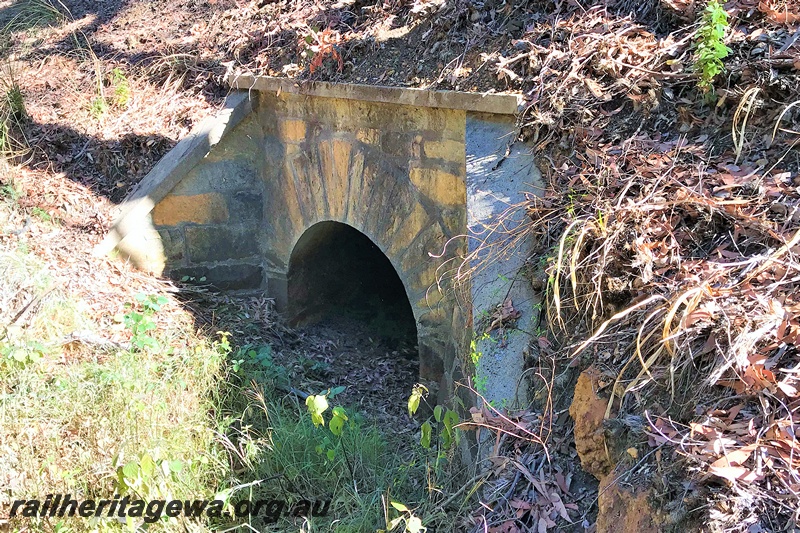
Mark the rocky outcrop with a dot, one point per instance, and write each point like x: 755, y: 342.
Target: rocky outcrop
x: 588, y: 411
x: 623, y: 510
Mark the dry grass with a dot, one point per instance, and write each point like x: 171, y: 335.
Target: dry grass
x: 668, y: 246
x: 685, y: 286
x: 75, y: 402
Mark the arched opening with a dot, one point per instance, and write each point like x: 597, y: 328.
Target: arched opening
x: 338, y: 275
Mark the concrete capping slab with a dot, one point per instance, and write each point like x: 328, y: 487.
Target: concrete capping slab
x: 169, y: 171
x: 495, y: 103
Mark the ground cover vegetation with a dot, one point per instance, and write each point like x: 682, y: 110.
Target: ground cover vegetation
x: 666, y: 244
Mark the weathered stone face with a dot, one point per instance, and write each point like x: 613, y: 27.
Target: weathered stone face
x: 395, y: 173
x: 360, y: 164
x: 403, y: 167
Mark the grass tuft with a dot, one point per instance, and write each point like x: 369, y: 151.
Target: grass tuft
x: 24, y: 15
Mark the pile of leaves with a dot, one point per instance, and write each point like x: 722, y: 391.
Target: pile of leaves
x: 671, y: 231
x: 528, y: 488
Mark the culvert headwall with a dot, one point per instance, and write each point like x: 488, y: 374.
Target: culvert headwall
x: 429, y: 178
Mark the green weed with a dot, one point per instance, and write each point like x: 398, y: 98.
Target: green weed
x: 98, y: 107
x: 711, y: 49
x: 30, y: 352
x: 10, y: 192
x: 480, y: 381
x: 41, y: 214
x: 139, y: 320
x: 12, y: 114
x: 122, y: 88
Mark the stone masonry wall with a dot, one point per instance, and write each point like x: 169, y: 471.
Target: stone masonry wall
x: 210, y: 221
x: 394, y: 172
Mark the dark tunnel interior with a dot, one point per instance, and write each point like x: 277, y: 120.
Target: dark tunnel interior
x: 338, y: 273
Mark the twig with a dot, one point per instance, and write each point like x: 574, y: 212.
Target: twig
x: 457, y: 493
x: 24, y: 309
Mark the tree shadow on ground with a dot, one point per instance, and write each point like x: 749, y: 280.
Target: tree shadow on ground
x: 110, y: 168
x: 171, y: 52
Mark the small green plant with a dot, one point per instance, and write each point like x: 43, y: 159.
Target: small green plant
x: 236, y: 364
x: 192, y: 279
x: 481, y: 384
x: 475, y: 356
x: 98, y: 107
x: 445, y: 420
x: 139, y: 320
x: 12, y: 355
x: 711, y: 49
x: 313, y: 366
x: 122, y: 88
x: 10, y: 191
x: 143, y: 475
x: 222, y: 345
x: 317, y: 405
x: 149, y: 478
x: 41, y: 214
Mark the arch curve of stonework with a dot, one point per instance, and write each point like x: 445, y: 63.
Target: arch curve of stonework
x: 395, y: 174
x: 403, y: 167
x: 337, y: 271
x: 341, y: 180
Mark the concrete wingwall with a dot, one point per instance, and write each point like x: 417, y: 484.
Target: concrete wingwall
x: 283, y: 162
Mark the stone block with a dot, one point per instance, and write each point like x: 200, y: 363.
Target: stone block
x: 454, y: 219
x: 209, y: 208
x: 235, y: 174
x: 173, y: 244
x: 274, y: 153
x: 310, y: 186
x: 292, y: 130
x: 446, y: 149
x: 441, y: 187
x: 430, y: 300
x: 245, y: 206
x: 398, y: 144
x: 368, y: 135
x: 630, y: 508
x: 220, y: 243
x: 224, y: 277
x: 588, y: 410
x: 431, y: 366
x: 243, y: 141
x: 430, y: 241
x: 408, y: 229
x: 334, y: 159
x: 144, y: 248
x: 433, y: 318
